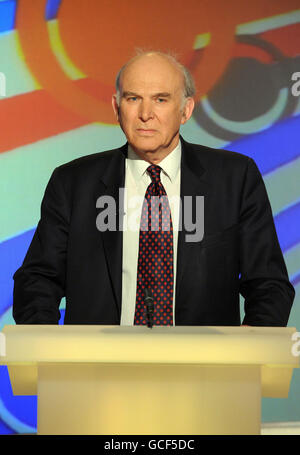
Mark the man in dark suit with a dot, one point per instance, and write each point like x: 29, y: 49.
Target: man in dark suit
x: 103, y: 268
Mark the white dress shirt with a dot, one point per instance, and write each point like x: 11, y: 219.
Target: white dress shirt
x: 136, y: 182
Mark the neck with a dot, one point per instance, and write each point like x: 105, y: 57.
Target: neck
x: 156, y: 156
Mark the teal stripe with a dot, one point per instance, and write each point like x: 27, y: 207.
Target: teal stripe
x: 18, y: 77
x: 292, y: 260
x: 24, y: 172
x: 283, y: 186
x: 269, y: 23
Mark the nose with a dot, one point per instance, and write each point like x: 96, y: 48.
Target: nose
x: 146, y: 111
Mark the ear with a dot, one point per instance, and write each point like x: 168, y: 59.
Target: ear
x: 115, y: 106
x: 187, y: 110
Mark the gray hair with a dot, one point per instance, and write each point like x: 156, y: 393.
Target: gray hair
x: 188, y: 82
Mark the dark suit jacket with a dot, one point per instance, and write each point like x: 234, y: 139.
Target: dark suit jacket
x: 239, y: 253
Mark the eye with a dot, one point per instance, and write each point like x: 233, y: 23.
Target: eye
x: 161, y: 100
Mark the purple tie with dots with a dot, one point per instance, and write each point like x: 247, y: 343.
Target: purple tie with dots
x: 155, y: 260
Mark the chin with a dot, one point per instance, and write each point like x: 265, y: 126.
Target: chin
x: 146, y: 145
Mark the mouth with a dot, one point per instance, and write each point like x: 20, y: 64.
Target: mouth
x: 145, y: 132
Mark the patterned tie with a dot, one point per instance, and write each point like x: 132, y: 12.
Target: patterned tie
x: 155, y: 261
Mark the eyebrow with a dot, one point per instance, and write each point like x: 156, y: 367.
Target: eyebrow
x: 155, y: 95
x: 163, y: 95
x: 125, y: 94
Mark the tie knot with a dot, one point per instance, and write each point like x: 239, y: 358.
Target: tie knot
x: 154, y: 172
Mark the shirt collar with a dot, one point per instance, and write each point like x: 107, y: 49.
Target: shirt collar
x: 170, y: 164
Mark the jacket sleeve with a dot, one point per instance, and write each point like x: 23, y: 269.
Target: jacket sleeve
x: 264, y: 281
x: 39, y: 284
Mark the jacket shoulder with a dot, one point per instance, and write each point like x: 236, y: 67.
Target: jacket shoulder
x: 217, y: 163
x: 213, y: 156
x: 90, y: 162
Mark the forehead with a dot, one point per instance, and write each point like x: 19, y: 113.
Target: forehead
x: 151, y: 73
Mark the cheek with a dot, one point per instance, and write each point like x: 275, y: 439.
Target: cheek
x: 126, y: 114
x: 172, y: 122
x: 126, y: 121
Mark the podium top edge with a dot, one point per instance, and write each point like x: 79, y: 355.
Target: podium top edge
x: 187, y: 344
x: 120, y: 329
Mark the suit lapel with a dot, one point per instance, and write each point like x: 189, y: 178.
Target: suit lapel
x: 192, y: 184
x: 110, y: 184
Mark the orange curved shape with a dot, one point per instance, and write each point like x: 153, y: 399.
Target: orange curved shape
x: 34, y: 40
x: 100, y: 36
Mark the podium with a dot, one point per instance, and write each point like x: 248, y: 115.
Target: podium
x: 117, y: 380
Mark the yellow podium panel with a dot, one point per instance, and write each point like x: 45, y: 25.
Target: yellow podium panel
x: 118, y: 380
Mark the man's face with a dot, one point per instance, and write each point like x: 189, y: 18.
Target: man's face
x: 151, y: 109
